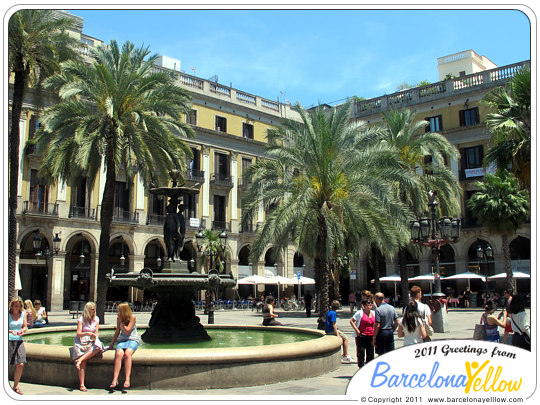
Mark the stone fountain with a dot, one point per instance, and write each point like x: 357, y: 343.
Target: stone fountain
x: 173, y: 318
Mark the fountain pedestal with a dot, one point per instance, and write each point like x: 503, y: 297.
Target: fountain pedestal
x: 175, y: 267
x: 173, y: 319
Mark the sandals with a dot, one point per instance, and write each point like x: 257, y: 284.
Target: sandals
x: 17, y: 390
x: 82, y: 388
x: 127, y: 384
x: 113, y: 385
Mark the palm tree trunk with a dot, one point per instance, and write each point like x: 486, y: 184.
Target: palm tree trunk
x: 14, y: 140
x: 404, y: 277
x: 107, y: 207
x: 377, y: 271
x: 507, y: 262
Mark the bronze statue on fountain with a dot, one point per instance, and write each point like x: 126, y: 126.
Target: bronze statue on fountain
x: 173, y: 318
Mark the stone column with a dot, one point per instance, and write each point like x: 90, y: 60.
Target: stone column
x: 206, y: 184
x: 55, y: 290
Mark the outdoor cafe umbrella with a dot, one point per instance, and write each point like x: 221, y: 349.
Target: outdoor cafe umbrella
x: 302, y: 280
x: 254, y: 280
x: 394, y: 278
x: 468, y: 275
x: 516, y: 274
x: 426, y: 277
x: 279, y: 280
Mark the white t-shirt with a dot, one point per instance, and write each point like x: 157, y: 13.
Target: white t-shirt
x: 39, y: 318
x: 414, y: 337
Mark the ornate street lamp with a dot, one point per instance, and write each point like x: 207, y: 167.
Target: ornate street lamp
x: 47, y: 253
x: 485, y: 255
x: 429, y: 232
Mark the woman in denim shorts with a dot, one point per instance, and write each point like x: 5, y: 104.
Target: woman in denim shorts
x: 128, y: 342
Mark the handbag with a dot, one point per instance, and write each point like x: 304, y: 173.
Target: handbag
x: 479, y: 332
x: 526, y: 338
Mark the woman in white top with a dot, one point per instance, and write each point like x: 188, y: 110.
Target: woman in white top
x: 41, y: 319
x: 412, y: 327
x: 520, y: 323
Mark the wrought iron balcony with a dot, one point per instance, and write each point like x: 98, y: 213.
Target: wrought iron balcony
x: 221, y: 225
x: 82, y: 212
x: 40, y: 208
x: 120, y: 215
x: 222, y: 180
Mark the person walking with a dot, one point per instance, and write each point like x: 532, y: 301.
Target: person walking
x: 331, y: 328
x: 520, y: 324
x: 412, y: 327
x: 423, y: 309
x: 307, y: 299
x: 386, y: 322
x: 16, y: 329
x: 363, y: 323
x: 352, y: 301
x: 128, y: 342
x: 508, y: 293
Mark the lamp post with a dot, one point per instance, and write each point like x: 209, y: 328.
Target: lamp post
x: 485, y: 254
x: 433, y: 233
x: 47, y: 253
x: 213, y: 251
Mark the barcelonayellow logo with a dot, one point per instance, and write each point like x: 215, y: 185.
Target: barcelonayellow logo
x: 454, y: 368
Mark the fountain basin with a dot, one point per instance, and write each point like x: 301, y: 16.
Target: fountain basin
x: 191, y: 368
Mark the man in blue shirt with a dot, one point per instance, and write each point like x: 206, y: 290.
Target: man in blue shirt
x: 331, y: 328
x: 386, y: 321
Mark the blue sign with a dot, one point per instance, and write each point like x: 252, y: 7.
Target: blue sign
x: 298, y: 275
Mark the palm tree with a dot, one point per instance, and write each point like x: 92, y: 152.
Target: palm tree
x: 116, y: 112
x: 423, y: 155
x: 330, y: 186
x: 37, y: 42
x: 510, y: 126
x: 501, y: 207
x: 213, y: 255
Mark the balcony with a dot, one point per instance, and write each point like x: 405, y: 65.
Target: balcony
x: 82, y: 212
x: 244, y: 183
x: 486, y: 79
x: 248, y: 228
x: 155, y: 219
x: 40, y: 208
x: 222, y: 180
x: 120, y: 215
x: 194, y: 177
x: 221, y: 226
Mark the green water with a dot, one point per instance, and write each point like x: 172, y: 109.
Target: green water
x: 220, y: 338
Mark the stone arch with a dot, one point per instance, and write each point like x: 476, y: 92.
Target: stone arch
x: 243, y: 255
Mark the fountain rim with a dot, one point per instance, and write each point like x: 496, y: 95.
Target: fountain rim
x: 323, y: 344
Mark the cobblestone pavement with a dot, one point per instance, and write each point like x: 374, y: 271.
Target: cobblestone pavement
x: 333, y: 384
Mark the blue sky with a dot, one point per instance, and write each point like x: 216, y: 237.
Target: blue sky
x: 313, y: 56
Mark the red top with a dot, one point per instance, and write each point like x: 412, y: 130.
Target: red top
x: 367, y: 324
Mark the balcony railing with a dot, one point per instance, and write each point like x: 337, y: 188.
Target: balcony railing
x: 120, y: 215
x: 195, y: 175
x: 493, y: 77
x: 248, y: 228
x: 155, y: 219
x: 221, y: 179
x: 82, y: 212
x: 221, y: 226
x: 40, y: 208
x: 245, y: 182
